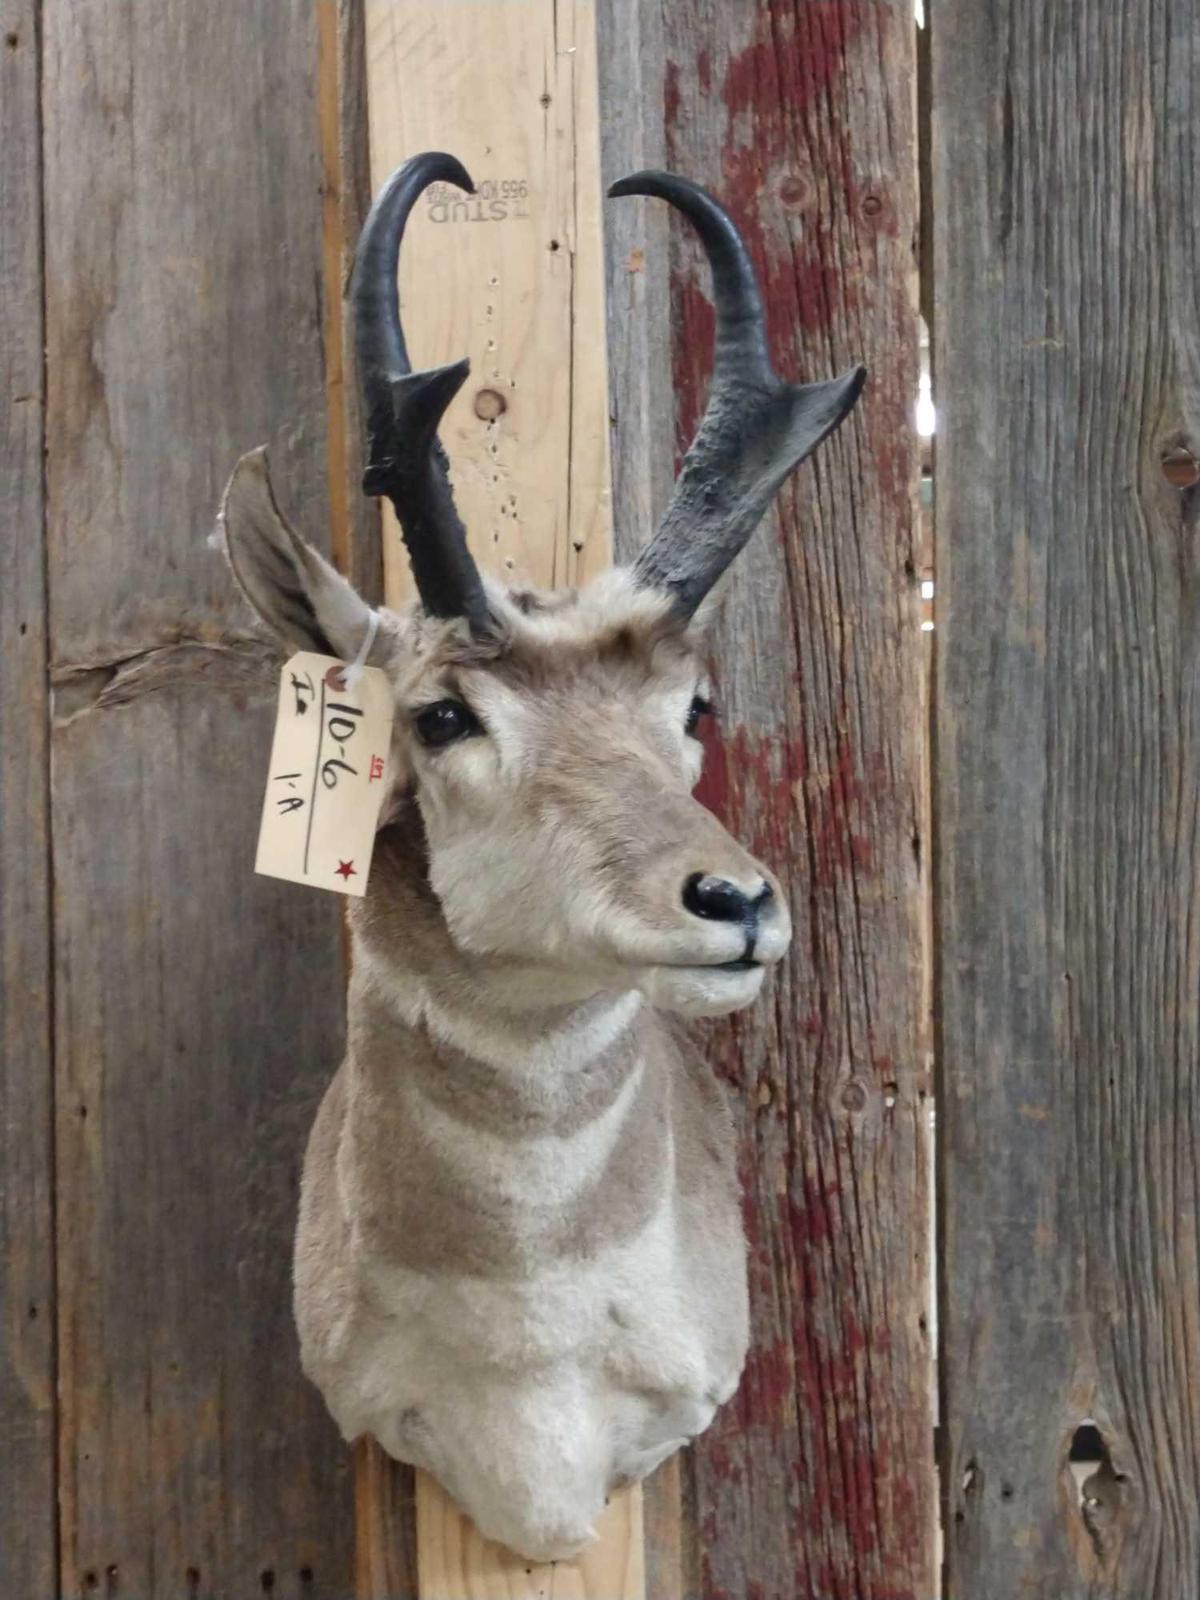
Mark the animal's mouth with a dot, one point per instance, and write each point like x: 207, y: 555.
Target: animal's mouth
x: 742, y: 964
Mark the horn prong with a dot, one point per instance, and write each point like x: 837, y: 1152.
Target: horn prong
x: 756, y: 428
x: 403, y: 408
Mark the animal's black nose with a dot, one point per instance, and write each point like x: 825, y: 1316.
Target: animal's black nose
x: 722, y: 901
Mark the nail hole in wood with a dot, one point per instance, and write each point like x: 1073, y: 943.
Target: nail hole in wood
x: 12, y: 40
x: 266, y: 1580
x: 306, y: 1574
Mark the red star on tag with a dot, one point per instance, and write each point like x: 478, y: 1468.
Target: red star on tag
x: 345, y: 869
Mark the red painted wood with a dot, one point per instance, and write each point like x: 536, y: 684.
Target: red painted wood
x: 818, y: 1480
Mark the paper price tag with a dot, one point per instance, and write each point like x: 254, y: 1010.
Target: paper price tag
x: 328, y: 775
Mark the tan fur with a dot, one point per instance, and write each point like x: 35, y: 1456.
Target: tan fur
x: 519, y: 1261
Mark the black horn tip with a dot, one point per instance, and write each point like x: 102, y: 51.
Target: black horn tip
x: 849, y: 386
x: 432, y: 166
x: 702, y: 209
x: 419, y: 399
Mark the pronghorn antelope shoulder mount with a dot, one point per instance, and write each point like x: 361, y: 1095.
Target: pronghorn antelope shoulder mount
x: 520, y: 1261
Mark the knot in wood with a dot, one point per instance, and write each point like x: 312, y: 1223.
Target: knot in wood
x: 490, y: 404
x: 854, y: 1096
x: 1180, y: 467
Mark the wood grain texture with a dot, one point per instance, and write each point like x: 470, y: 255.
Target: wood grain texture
x: 198, y: 1009
x: 386, y: 1525
x: 637, y: 271
x: 454, y: 1563
x: 28, y: 1563
x: 817, y: 1480
x: 511, y: 89
x: 355, y: 537
x: 1068, y: 363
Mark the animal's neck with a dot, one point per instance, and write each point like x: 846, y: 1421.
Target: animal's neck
x: 514, y: 1047
x: 486, y: 1127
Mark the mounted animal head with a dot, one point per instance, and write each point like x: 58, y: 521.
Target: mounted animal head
x: 549, y: 739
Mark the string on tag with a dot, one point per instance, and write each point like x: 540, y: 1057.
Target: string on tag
x: 355, y: 670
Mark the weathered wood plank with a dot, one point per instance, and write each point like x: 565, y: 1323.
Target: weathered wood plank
x: 198, y: 1009
x: 28, y: 1562
x: 1068, y: 364
x: 637, y: 271
x: 817, y: 1480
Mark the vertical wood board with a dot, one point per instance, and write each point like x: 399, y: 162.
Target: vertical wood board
x: 199, y: 1010
x: 514, y: 278
x: 817, y: 1480
x: 1065, y: 161
x: 28, y: 1563
x: 511, y: 277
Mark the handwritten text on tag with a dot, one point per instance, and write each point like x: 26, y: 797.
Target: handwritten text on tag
x: 328, y: 775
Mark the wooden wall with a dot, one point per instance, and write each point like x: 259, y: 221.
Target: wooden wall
x: 149, y: 1360
x: 1068, y: 728
x: 180, y: 190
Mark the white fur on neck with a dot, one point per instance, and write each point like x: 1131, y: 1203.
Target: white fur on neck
x: 523, y: 1043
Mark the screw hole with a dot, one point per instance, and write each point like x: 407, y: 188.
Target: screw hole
x: 266, y: 1579
x: 306, y: 1574
x: 553, y: 245
x: 12, y: 40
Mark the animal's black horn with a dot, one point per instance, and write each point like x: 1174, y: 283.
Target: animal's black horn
x: 403, y: 408
x: 756, y: 428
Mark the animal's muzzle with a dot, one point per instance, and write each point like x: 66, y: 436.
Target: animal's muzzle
x: 719, y: 900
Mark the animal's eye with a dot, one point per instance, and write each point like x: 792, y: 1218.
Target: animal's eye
x: 444, y: 722
x: 700, y: 707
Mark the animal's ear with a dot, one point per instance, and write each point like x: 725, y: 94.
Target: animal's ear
x: 302, y: 599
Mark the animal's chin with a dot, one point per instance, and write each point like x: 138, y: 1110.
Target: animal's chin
x: 702, y: 991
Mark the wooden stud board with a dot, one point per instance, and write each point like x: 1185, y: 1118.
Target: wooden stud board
x: 514, y: 278
x: 454, y: 1563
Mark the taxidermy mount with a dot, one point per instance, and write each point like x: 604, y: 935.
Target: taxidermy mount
x: 520, y: 1262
